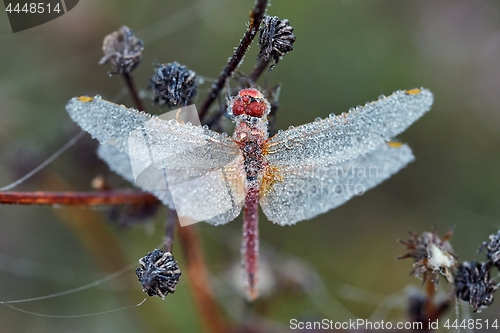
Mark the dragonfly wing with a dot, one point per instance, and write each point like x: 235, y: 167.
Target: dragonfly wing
x: 344, y: 137
x: 305, y: 192
x: 119, y: 162
x: 197, y: 170
x: 127, y: 129
x: 216, y: 196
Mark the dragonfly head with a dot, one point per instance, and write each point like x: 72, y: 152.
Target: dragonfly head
x: 249, y: 102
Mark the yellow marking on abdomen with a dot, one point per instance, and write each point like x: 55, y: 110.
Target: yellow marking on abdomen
x: 271, y: 175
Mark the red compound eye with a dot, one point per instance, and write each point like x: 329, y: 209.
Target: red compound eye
x: 239, y: 107
x: 256, y: 109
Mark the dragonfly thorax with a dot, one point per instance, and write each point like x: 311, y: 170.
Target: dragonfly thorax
x: 249, y: 102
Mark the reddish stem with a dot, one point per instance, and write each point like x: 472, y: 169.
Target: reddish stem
x: 251, y: 241
x: 199, y: 280
x: 116, y: 197
x: 430, y: 291
x: 133, y: 91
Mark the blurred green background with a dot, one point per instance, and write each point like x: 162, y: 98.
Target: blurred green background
x: 346, y: 53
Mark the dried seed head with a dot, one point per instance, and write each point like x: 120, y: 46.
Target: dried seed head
x: 492, y: 249
x: 123, y: 50
x: 473, y: 284
x: 159, y: 273
x: 276, y: 40
x: 433, y: 256
x: 174, y: 84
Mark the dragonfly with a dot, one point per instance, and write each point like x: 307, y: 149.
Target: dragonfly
x: 295, y: 175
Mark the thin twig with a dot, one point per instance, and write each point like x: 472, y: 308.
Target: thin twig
x: 258, y: 70
x: 256, y: 17
x: 199, y: 280
x: 170, y: 223
x: 115, y: 197
x: 133, y: 91
x: 430, y: 292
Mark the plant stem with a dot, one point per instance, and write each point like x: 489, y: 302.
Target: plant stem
x: 430, y: 292
x: 199, y: 280
x: 170, y: 223
x: 258, y: 70
x: 133, y: 91
x: 256, y: 17
x: 115, y: 197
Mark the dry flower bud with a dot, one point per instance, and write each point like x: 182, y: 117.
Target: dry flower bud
x: 474, y: 285
x: 492, y: 249
x: 174, y: 84
x: 433, y: 255
x: 122, y: 50
x: 276, y: 39
x: 158, y: 274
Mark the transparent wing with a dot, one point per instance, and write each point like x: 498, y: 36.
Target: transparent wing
x: 203, y: 168
x: 200, y: 196
x: 346, y: 136
x: 302, y: 193
x: 119, y: 162
x: 216, y: 196
x: 126, y: 129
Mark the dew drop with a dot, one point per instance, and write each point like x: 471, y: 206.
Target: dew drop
x: 98, y: 97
